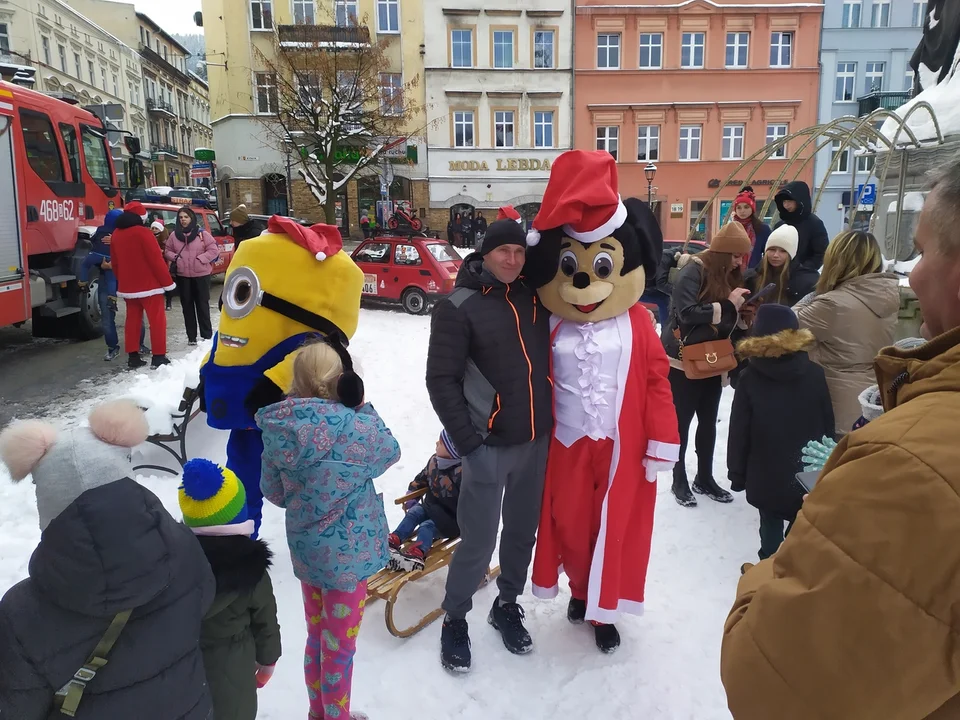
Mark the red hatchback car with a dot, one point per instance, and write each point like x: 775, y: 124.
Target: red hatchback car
x: 414, y: 271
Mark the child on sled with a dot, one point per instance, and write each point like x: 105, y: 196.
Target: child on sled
x: 432, y: 516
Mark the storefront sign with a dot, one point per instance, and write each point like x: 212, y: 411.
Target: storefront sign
x: 502, y: 165
x: 715, y: 183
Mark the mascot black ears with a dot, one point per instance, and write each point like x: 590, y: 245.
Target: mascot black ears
x: 350, y: 385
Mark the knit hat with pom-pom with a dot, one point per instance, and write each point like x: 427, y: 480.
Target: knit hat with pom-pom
x: 211, y: 496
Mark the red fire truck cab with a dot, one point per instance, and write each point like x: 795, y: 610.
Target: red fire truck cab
x: 57, y: 182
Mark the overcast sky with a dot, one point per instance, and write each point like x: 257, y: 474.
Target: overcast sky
x: 174, y: 16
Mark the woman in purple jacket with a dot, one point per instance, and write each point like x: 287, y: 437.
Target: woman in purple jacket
x: 194, y: 250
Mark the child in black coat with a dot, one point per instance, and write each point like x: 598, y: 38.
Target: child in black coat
x: 435, y: 515
x: 781, y: 402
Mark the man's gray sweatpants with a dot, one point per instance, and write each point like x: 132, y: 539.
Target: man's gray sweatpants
x: 511, y: 476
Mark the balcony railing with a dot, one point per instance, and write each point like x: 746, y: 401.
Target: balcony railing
x: 165, y: 149
x: 305, y: 37
x: 885, y: 100
x: 161, y: 106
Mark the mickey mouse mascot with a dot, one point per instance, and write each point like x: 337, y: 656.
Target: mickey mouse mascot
x: 616, y: 426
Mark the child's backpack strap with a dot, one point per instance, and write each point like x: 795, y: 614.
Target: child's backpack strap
x: 67, y: 699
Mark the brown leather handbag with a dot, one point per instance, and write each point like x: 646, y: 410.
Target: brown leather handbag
x: 705, y: 360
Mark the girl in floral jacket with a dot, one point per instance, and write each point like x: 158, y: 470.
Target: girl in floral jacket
x: 319, y: 460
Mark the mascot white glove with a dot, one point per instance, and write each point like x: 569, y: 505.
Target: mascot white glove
x: 655, y: 466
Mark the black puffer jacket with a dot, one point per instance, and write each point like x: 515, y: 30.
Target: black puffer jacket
x: 801, y: 283
x: 488, y: 363
x: 244, y: 232
x: 813, y: 240
x: 695, y: 317
x: 114, y: 548
x: 782, y: 402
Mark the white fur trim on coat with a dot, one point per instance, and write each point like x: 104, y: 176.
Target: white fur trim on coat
x: 147, y: 293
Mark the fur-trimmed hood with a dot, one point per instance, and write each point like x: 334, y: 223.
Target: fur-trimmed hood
x: 778, y: 345
x: 238, y: 562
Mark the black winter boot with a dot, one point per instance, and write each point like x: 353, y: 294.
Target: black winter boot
x: 607, y: 637
x: 576, y: 611
x: 708, y: 486
x: 159, y: 360
x: 508, y: 620
x: 134, y: 361
x: 455, y: 645
x: 681, y: 490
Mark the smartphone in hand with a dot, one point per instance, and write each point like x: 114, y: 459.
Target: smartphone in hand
x: 760, y: 294
x: 807, y: 479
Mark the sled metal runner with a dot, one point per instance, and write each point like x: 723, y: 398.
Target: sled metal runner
x: 175, y: 442
x: 387, y: 584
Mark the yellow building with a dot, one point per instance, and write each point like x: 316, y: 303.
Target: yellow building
x: 251, y: 168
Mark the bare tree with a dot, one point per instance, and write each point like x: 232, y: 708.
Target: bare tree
x: 330, y: 98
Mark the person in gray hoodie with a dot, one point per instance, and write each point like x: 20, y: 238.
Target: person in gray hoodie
x: 112, y: 564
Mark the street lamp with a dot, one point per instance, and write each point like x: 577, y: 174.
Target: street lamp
x: 650, y: 172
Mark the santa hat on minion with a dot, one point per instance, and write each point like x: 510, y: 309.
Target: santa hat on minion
x: 582, y: 197
x: 321, y: 240
x: 508, y: 212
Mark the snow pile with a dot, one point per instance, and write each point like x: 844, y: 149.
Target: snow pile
x: 912, y: 202
x: 159, y: 391
x: 668, y: 666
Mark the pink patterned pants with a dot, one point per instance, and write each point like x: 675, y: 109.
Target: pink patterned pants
x: 333, y: 624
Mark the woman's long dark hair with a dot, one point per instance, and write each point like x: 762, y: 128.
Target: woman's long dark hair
x: 721, y: 275
x: 186, y: 234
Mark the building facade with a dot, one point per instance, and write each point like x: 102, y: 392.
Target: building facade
x: 499, y: 93
x: 865, y: 56
x: 251, y: 168
x: 199, y: 132
x: 695, y: 88
x: 78, y: 60
x: 165, y: 84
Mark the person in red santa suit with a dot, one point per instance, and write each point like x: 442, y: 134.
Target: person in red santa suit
x: 142, y: 279
x: 616, y: 426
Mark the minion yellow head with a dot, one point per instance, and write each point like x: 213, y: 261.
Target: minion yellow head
x: 273, y: 275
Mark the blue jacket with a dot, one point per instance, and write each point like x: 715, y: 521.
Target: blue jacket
x: 100, y: 251
x: 760, y: 246
x: 319, y: 462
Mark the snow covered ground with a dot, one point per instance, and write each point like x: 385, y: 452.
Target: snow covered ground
x: 668, y: 666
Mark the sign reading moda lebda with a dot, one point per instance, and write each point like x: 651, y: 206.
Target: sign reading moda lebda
x: 501, y: 165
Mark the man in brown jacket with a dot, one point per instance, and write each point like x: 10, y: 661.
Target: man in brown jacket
x: 857, y: 616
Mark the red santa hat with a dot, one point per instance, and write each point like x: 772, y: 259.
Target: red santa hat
x: 508, y: 212
x: 135, y: 208
x: 321, y: 240
x: 581, y: 197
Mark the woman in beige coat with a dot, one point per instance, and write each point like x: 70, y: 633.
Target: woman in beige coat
x: 852, y: 315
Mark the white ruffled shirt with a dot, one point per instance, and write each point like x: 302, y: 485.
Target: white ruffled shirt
x: 585, y: 362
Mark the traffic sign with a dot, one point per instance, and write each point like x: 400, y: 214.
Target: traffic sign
x: 867, y: 194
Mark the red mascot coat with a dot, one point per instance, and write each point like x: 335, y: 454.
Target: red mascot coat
x: 646, y: 429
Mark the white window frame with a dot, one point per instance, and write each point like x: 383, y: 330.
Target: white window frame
x: 648, y: 138
x: 866, y: 163
x: 116, y: 85
x: 539, y: 42
x: 609, y: 47
x: 852, y: 14
x: 778, y: 131
x: 4, y: 37
x: 62, y: 57
x: 781, y: 43
x: 608, y: 136
x: 45, y: 47
x: 501, y: 45
x: 691, y: 138
x: 542, y: 120
x: 849, y: 77
x: 465, y: 119
x: 308, y: 88
x: 304, y: 12
x: 653, y: 44
x: 732, y: 135
x: 263, y: 90
x: 348, y: 10
x: 739, y: 42
x: 504, y: 129
x: 839, y: 162
x: 910, y: 78
x: 78, y: 64
x: 389, y: 10
x: 880, y: 14
x: 453, y: 44
x: 919, y: 13
x: 691, y: 42
x: 391, y: 93
x: 872, y: 75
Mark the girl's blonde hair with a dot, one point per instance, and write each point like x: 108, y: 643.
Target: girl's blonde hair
x: 770, y: 274
x: 316, y: 370
x: 849, y: 255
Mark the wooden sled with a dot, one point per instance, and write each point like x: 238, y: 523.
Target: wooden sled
x: 387, y: 584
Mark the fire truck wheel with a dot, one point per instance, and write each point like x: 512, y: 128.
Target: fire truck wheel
x: 414, y: 301
x: 88, y: 323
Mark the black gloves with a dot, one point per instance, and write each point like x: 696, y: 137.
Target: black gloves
x: 264, y: 393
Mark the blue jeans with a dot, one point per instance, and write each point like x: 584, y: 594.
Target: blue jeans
x: 417, y: 515
x: 661, y: 300
x: 108, y: 315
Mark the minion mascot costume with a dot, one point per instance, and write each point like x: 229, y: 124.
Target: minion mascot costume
x: 283, y: 288
x: 616, y: 426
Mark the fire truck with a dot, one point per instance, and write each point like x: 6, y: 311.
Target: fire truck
x: 57, y: 182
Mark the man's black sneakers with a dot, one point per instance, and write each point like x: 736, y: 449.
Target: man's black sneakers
x: 455, y: 645
x: 508, y: 619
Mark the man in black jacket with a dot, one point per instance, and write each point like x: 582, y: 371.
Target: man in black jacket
x: 488, y: 371
x: 796, y: 209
